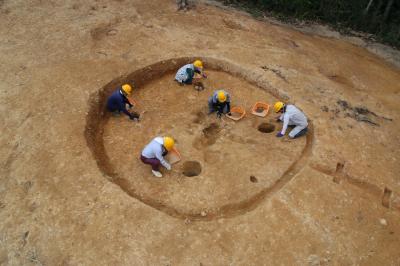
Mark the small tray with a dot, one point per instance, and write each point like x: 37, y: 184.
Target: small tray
x: 173, y: 156
x: 259, y: 105
x: 237, y: 110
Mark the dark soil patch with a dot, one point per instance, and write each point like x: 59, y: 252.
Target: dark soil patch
x: 253, y: 179
x: 266, y: 127
x: 260, y: 109
x: 211, y: 133
x: 200, y: 117
x: 191, y: 168
x: 360, y: 113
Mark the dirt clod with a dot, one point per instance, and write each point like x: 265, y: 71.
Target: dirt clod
x: 253, y: 179
x: 191, y: 168
x: 266, y: 127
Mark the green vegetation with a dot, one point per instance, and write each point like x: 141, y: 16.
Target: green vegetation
x: 381, y: 18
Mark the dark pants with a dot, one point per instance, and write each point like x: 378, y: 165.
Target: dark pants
x: 301, y: 133
x: 154, y: 162
x: 190, y: 74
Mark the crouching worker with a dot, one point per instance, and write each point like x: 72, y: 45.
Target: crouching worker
x: 291, y: 116
x: 186, y: 73
x: 154, y: 153
x: 117, y: 102
x: 220, y: 102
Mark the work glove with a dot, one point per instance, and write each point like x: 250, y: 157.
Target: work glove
x: 219, y: 114
x: 168, y: 167
x: 279, y: 135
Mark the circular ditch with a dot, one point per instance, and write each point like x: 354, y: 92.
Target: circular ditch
x: 191, y: 168
x: 266, y: 127
x: 106, y: 151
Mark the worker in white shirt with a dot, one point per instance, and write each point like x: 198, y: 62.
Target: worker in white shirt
x: 154, y: 153
x: 186, y: 73
x: 291, y: 116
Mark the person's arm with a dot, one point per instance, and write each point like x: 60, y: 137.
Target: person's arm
x: 122, y: 108
x: 200, y: 71
x: 285, y: 124
x: 161, y: 159
x: 126, y: 100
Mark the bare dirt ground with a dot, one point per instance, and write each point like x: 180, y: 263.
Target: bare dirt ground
x: 72, y: 191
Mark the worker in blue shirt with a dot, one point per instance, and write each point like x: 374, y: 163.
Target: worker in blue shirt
x: 118, y: 100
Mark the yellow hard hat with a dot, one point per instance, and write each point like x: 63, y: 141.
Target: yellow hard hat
x: 127, y: 89
x: 198, y: 64
x: 278, y: 106
x: 221, y: 97
x: 169, y: 143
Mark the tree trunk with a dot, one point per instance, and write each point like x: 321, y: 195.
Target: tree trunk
x: 387, y: 10
x: 368, y: 6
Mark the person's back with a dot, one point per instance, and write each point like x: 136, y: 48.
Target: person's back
x: 182, y: 73
x: 296, y: 116
x: 115, y: 101
x: 153, y: 148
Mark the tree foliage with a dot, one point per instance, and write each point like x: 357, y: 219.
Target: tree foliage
x: 378, y: 17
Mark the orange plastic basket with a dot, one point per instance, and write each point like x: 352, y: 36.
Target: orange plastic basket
x: 260, y: 106
x: 173, y: 156
x: 237, y: 113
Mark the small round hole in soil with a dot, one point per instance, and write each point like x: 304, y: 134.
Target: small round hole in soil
x: 266, y: 128
x: 191, y: 168
x: 253, y: 179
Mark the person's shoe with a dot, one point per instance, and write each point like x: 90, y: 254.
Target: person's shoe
x: 156, y: 173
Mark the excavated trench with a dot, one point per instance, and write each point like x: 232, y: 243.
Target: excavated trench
x: 97, y: 120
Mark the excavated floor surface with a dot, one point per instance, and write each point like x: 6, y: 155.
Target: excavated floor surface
x: 72, y: 191
x: 228, y: 151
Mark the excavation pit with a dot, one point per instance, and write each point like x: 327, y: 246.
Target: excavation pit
x: 221, y: 147
x: 191, y: 168
x: 266, y: 128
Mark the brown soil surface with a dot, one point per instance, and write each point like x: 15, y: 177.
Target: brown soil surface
x: 73, y: 191
x: 228, y: 151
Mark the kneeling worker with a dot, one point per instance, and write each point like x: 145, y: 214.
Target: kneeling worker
x: 220, y: 102
x: 186, y: 73
x: 291, y: 116
x: 117, y: 102
x: 154, y: 153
